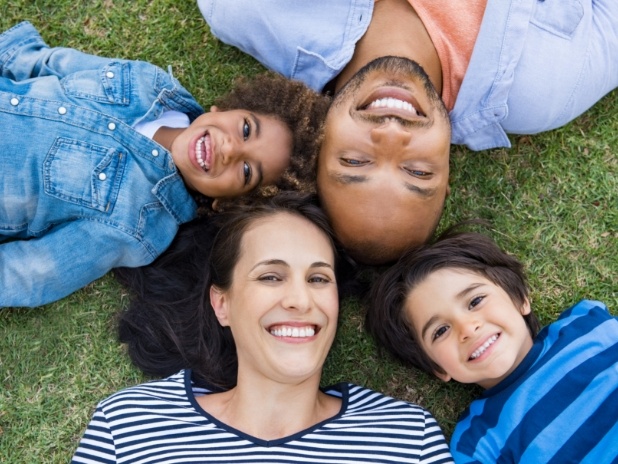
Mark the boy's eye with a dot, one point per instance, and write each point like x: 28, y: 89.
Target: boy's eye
x: 246, y: 170
x: 439, y: 332
x: 417, y: 173
x: 476, y: 301
x: 246, y: 129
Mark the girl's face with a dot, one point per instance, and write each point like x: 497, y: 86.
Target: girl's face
x: 224, y: 154
x: 282, y: 306
x: 469, y: 326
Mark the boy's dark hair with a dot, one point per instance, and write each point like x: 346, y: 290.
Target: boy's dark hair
x: 386, y: 317
x: 170, y: 324
x: 301, y: 109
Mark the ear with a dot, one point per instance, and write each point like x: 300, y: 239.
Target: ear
x: 448, y: 190
x: 218, y: 301
x: 214, y: 109
x: 215, y: 205
x: 525, y: 308
x: 442, y: 376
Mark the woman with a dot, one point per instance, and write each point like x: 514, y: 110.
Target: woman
x: 268, y: 318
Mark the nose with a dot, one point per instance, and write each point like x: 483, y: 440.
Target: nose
x: 467, y: 327
x: 390, y: 137
x: 297, y: 296
x: 230, y: 150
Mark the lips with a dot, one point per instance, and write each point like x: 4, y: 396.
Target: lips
x: 483, y: 347
x: 204, y: 152
x: 392, y: 101
x: 293, y: 331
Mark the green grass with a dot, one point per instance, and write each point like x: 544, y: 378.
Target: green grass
x: 552, y: 198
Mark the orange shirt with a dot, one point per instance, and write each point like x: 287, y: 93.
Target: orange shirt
x: 453, y: 26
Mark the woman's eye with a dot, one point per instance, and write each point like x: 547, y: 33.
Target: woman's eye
x: 439, y: 332
x: 319, y: 280
x: 246, y: 130
x: 269, y: 278
x: 476, y: 301
x: 246, y: 167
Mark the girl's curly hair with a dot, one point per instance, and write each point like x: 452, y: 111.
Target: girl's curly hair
x: 301, y: 109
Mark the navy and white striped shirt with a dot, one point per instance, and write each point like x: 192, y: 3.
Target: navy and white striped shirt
x: 560, y: 405
x: 161, y: 421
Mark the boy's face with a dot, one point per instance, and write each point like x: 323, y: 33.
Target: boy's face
x: 225, y: 154
x: 469, y: 326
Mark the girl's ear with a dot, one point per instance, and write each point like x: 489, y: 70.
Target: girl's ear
x: 215, y: 204
x: 218, y: 301
x: 214, y: 109
x: 442, y: 376
x: 525, y: 308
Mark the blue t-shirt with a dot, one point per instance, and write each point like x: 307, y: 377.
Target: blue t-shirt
x: 560, y: 405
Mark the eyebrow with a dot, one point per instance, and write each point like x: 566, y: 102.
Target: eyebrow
x: 347, y: 179
x: 281, y: 262
x: 256, y: 123
x: 460, y: 295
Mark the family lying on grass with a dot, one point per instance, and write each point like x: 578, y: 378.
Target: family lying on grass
x: 123, y: 159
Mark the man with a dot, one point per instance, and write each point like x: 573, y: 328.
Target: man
x: 518, y: 66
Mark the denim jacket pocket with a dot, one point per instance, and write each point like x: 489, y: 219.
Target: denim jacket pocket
x: 560, y: 18
x: 107, y: 84
x: 84, y: 174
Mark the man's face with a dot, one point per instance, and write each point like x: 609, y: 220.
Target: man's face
x: 384, y: 163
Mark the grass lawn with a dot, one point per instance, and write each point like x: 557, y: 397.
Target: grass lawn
x: 552, y: 198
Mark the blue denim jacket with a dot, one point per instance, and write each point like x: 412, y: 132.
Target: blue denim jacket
x: 536, y: 64
x: 81, y: 191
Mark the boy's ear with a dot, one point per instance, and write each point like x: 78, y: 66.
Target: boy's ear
x: 442, y: 376
x: 525, y: 308
x: 218, y: 301
x: 214, y: 109
x: 448, y: 190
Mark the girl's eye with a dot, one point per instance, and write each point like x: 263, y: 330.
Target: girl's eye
x: 476, y: 301
x: 439, y: 332
x: 269, y: 278
x: 246, y: 129
x: 246, y: 171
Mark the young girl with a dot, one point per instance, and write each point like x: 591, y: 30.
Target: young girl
x: 459, y: 309
x: 101, y: 160
x: 255, y: 345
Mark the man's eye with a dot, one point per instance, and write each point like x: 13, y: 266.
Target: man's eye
x: 353, y: 162
x: 246, y: 129
x: 246, y: 167
x: 417, y: 173
x: 438, y: 333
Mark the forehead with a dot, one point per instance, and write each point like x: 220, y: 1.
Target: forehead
x: 284, y: 235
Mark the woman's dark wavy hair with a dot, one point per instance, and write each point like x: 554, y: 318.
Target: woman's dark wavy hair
x: 170, y: 324
x: 300, y: 108
x: 386, y: 318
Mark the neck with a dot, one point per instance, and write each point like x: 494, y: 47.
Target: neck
x: 271, y: 410
x: 395, y: 30
x: 165, y: 136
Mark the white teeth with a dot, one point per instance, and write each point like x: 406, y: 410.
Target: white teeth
x: 481, y: 349
x: 294, y: 332
x: 199, y: 152
x: 390, y: 102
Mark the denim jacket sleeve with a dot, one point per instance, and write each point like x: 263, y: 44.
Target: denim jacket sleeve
x: 24, y: 54
x: 39, y: 271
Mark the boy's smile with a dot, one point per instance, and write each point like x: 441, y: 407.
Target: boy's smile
x: 469, y: 326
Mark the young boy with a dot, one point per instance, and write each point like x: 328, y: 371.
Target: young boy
x: 100, y: 160
x: 459, y: 309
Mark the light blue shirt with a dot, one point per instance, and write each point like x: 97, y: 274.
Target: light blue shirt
x: 536, y: 64
x: 81, y: 192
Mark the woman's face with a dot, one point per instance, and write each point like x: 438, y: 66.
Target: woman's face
x: 282, y: 306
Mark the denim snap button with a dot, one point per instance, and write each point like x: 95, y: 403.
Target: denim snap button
x: 111, y: 126
x: 102, y: 176
x: 14, y: 101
